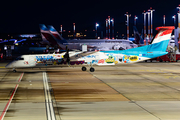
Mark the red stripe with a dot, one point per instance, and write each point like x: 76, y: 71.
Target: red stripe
x: 20, y: 77
x: 6, y: 107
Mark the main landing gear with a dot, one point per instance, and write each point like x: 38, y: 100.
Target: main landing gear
x: 91, y: 69
x: 83, y: 68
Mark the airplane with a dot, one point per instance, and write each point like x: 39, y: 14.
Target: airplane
x: 92, y: 44
x: 111, y: 57
x: 157, y: 48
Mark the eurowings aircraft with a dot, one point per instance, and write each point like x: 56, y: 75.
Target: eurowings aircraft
x: 92, y: 44
x: 156, y: 49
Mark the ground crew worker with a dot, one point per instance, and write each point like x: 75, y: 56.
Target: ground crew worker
x: 175, y: 48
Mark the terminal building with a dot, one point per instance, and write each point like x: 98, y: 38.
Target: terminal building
x: 13, y: 45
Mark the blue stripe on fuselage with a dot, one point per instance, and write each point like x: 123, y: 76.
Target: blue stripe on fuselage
x: 149, y: 51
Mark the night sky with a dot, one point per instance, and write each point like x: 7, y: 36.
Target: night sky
x: 25, y: 16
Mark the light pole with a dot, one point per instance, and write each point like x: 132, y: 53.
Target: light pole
x: 164, y: 19
x: 174, y: 17
x: 148, y: 26
x: 74, y: 30
x: 109, y: 21
x: 135, y: 18
x: 144, y: 26
x: 106, y: 28
x: 96, y: 30
x: 112, y: 20
x: 151, y: 10
x: 61, y: 30
x: 128, y: 15
x: 178, y: 23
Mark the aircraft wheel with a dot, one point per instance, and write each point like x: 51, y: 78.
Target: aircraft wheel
x: 14, y: 70
x: 92, y: 69
x: 83, y: 68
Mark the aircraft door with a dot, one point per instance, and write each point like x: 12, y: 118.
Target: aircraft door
x: 32, y: 61
x: 120, y: 58
x: 19, y: 62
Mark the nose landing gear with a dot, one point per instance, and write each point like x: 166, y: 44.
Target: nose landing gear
x: 14, y: 70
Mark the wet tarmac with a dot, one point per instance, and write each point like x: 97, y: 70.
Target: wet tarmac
x: 141, y: 91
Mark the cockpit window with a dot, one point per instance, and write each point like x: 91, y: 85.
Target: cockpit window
x: 19, y: 58
x: 130, y: 42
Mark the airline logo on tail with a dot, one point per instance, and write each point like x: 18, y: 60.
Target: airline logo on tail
x: 45, y: 32
x: 54, y: 32
x: 138, y: 38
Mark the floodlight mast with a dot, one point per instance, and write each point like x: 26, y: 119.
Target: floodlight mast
x: 96, y: 29
x: 179, y: 22
x: 144, y: 26
x: 135, y: 18
x: 61, y: 30
x: 174, y: 17
x: 151, y: 10
x: 109, y: 21
x: 128, y: 15
x: 148, y: 26
x: 106, y: 28
x: 112, y: 20
x: 74, y: 30
x: 164, y: 19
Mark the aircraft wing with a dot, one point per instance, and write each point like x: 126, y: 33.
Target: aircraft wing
x: 80, y: 55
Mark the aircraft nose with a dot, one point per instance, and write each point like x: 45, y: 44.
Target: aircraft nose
x: 8, y: 65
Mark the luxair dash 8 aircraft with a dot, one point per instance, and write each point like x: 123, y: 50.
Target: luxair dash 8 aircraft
x: 55, y: 38
x: 156, y: 49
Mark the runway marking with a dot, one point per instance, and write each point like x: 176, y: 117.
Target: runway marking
x: 48, y: 101
x: 2, y: 67
x: 9, y: 102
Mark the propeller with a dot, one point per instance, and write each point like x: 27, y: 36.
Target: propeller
x: 66, y: 56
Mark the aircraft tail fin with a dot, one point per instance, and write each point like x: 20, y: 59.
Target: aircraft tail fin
x: 138, y: 37
x: 55, y: 33
x: 57, y: 36
x: 44, y: 40
x: 161, y: 40
x: 46, y: 34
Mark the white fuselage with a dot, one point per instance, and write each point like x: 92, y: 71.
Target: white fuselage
x: 39, y: 60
